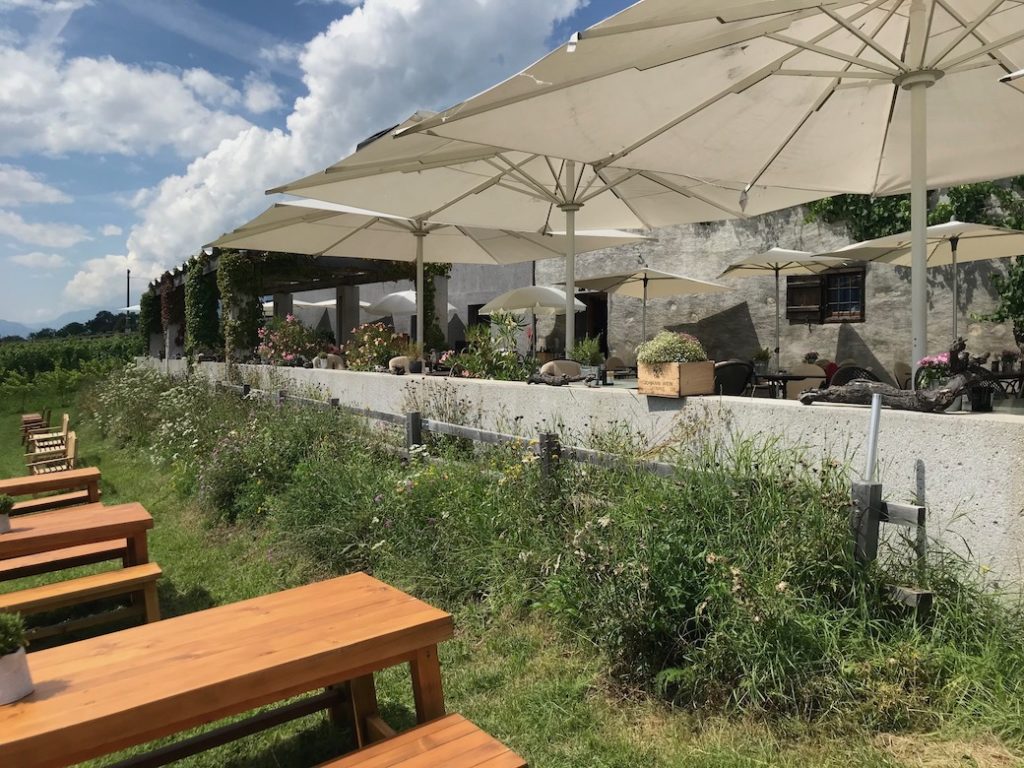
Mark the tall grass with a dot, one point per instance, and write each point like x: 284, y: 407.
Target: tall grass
x: 728, y: 588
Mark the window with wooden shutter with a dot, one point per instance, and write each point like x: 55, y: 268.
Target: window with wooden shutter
x: 836, y: 296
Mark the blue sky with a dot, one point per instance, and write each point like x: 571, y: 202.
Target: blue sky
x: 132, y: 131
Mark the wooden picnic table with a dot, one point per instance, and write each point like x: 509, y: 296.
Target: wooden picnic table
x: 75, y: 526
x: 101, y: 695
x: 83, y: 486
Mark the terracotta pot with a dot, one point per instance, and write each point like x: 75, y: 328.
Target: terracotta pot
x: 15, y: 678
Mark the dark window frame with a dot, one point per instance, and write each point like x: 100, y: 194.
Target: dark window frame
x: 810, y: 298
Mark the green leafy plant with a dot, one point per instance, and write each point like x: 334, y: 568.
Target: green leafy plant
x: 12, y: 633
x: 491, y: 351
x: 149, y: 316
x: 587, y: 351
x: 670, y: 347
x: 763, y: 355
x: 1010, y: 288
x: 202, y: 326
x: 6, y: 504
x: 286, y: 342
x: 371, y: 346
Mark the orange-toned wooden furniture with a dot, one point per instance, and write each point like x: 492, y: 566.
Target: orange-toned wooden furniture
x: 54, y: 460
x: 76, y: 526
x: 79, y: 486
x: 138, y: 581
x: 452, y: 742
x: 100, y: 695
x: 48, y: 438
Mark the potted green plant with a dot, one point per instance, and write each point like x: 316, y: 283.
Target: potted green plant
x: 6, y: 505
x: 674, y: 365
x: 811, y: 357
x: 15, y: 678
x: 1009, y: 358
x: 587, y: 352
x: 761, y: 359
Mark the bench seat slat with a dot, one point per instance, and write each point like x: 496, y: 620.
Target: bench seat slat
x: 85, y: 589
x: 58, y: 559
x: 51, y: 502
x: 451, y: 741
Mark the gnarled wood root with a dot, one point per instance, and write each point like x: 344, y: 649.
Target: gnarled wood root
x: 859, y: 392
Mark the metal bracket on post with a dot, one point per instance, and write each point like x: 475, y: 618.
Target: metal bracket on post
x: 413, y: 430
x: 865, y: 516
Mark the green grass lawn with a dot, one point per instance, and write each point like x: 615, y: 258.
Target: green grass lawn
x: 547, y: 697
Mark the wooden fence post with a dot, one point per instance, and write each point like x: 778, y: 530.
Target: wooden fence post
x: 281, y: 395
x: 550, y: 452
x: 865, y: 517
x: 245, y: 390
x: 335, y: 402
x: 413, y: 430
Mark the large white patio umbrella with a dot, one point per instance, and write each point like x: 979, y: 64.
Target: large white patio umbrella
x: 429, y: 178
x: 398, y: 303
x: 780, y: 261
x: 538, y: 299
x: 946, y: 244
x: 325, y: 229
x: 864, y: 96
x: 650, y: 283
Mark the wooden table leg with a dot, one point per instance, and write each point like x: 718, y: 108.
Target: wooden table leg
x: 426, y: 684
x: 93, y: 489
x: 138, y: 549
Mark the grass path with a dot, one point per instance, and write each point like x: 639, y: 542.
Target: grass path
x: 544, y: 696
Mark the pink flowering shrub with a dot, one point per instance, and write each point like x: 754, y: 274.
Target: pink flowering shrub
x: 372, y: 345
x: 934, y: 369
x: 286, y: 342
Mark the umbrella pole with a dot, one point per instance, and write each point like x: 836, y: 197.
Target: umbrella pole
x: 420, y: 283
x: 918, y: 82
x: 778, y: 325
x: 953, y: 243
x: 570, y: 209
x: 644, y: 315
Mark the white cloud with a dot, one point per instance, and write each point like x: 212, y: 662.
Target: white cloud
x: 52, y: 105
x: 370, y: 69
x: 261, y: 95
x: 111, y: 230
x: 211, y: 89
x: 39, y: 261
x: 48, y: 235
x: 18, y: 187
x: 44, y: 6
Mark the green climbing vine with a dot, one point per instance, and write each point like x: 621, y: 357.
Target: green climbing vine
x: 238, y: 283
x: 202, y: 327
x: 149, y: 316
x: 433, y: 334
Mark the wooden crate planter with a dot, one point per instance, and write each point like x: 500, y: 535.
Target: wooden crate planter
x: 677, y: 379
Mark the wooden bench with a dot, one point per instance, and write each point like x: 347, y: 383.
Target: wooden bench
x: 51, y: 461
x: 135, y: 580
x: 59, y: 559
x: 448, y: 742
x: 80, y: 486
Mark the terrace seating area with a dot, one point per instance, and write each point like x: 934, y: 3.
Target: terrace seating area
x: 96, y: 696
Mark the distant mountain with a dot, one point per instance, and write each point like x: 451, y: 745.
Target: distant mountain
x: 8, y: 328
x: 78, y: 316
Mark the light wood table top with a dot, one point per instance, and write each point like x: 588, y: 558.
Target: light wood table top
x: 100, y: 695
x: 56, y: 481
x: 61, y: 528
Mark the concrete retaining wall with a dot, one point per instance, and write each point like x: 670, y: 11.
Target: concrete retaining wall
x: 969, y: 466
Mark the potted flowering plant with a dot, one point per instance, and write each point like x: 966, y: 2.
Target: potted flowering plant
x: 674, y: 365
x: 811, y: 358
x: 933, y: 370
x: 6, y: 505
x: 286, y: 342
x: 587, y: 352
x: 15, y: 678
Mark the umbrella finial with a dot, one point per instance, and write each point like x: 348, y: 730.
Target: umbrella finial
x: 744, y: 196
x: 573, y: 40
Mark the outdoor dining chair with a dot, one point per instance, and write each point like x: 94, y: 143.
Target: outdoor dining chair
x: 848, y: 373
x: 733, y: 377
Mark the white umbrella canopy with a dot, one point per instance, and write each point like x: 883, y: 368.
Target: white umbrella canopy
x: 325, y: 229
x: 650, y: 283
x: 426, y: 177
x: 779, y: 262
x: 398, y: 303
x: 538, y: 299
x: 130, y: 308
x: 873, y: 97
x: 947, y: 244
x: 331, y: 303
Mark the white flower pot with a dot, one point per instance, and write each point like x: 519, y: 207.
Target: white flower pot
x: 5, y: 523
x: 15, y: 679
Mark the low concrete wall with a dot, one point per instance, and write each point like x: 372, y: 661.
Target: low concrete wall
x: 969, y: 466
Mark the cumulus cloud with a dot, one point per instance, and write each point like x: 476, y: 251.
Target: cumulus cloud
x: 54, y: 105
x: 19, y: 187
x: 111, y: 230
x: 48, y: 235
x: 261, y: 95
x: 369, y: 69
x: 211, y: 89
x: 39, y: 261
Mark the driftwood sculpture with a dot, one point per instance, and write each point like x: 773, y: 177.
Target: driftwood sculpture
x: 964, y: 375
x: 555, y: 380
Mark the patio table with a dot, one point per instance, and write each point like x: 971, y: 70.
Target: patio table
x: 777, y: 380
x: 104, y: 694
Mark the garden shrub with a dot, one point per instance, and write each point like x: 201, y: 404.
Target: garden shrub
x: 371, y: 346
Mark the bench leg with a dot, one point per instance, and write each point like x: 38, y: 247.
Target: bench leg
x: 369, y: 727
x: 426, y: 684
x: 138, y: 549
x: 149, y: 594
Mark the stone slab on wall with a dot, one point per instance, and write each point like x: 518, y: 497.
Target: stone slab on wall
x: 970, y: 466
